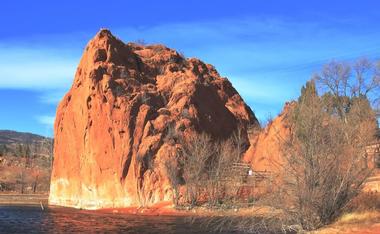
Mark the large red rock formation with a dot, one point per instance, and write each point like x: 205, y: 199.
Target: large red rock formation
x: 111, y: 127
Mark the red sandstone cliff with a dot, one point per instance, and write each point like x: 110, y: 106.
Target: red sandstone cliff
x: 110, y: 128
x: 265, y: 153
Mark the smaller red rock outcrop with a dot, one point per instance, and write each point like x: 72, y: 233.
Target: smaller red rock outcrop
x: 265, y: 153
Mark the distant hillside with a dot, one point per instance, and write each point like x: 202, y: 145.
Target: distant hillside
x: 8, y: 137
x: 25, y: 162
x: 20, y: 143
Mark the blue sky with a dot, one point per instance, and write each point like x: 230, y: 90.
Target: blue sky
x: 268, y: 49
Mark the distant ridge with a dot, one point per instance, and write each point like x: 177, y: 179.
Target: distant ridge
x: 10, y: 136
x: 15, y: 143
x: 25, y: 162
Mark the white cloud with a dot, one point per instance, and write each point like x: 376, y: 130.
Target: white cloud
x: 46, y: 120
x: 38, y: 68
x: 267, y: 60
x: 52, y: 96
x: 235, y: 46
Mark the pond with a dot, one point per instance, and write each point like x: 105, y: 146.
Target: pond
x: 32, y: 219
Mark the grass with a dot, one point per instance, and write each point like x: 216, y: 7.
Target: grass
x: 365, y: 222
x: 359, y: 217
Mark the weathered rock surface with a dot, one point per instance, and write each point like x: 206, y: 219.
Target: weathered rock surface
x: 265, y: 153
x: 112, y: 127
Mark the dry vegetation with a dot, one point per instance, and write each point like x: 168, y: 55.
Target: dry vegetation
x: 22, y: 175
x: 325, y: 165
x: 25, y: 163
x: 204, y: 166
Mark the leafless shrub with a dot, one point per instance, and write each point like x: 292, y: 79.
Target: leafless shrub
x: 138, y: 171
x: 172, y: 166
x: 36, y: 174
x: 324, y: 154
x: 269, y: 223
x: 324, y: 167
x: 143, y: 163
x: 377, y: 107
x: 218, y: 171
x: 172, y: 171
x: 196, y: 150
x: 207, y: 166
x: 231, y: 151
x: 204, y: 166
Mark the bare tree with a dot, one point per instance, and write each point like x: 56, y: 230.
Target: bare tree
x: 366, y: 79
x: 234, y: 148
x: 28, y: 156
x: 172, y: 171
x: 344, y: 81
x: 143, y: 163
x: 324, y: 166
x: 36, y: 173
x: 196, y: 150
x: 23, y: 172
x: 377, y: 106
x: 324, y: 154
x: 48, y: 144
x: 219, y: 169
x: 22, y: 180
x: 204, y: 166
x: 335, y: 78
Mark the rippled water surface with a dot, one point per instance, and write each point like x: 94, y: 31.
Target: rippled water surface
x: 24, y: 219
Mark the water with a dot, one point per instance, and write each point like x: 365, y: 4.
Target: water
x: 28, y: 219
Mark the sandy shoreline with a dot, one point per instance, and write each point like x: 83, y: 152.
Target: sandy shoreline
x: 167, y: 209
x: 23, y: 199
x: 160, y: 209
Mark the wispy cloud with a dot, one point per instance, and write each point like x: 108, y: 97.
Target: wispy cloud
x: 37, y: 68
x: 267, y: 60
x: 52, y: 96
x: 46, y: 120
x: 237, y: 47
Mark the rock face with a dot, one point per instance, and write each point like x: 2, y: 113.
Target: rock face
x: 265, y: 153
x: 111, y: 128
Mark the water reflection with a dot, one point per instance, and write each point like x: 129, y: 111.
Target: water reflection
x: 63, y: 220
